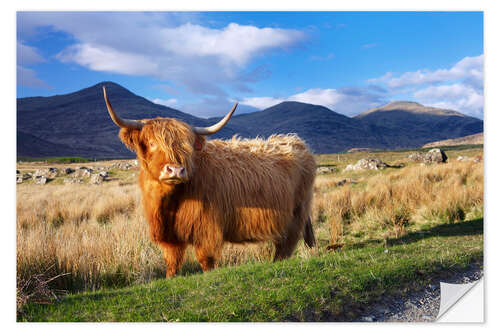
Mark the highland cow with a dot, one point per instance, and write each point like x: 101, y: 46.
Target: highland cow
x: 203, y: 192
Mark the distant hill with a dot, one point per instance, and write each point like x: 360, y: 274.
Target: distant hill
x: 324, y: 130
x: 410, y: 124
x: 474, y: 139
x: 78, y: 124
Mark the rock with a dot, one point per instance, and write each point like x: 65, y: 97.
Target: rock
x: 81, y: 172
x: 103, y: 174
x: 121, y: 165
x: 367, y: 318
x: 96, y: 179
x: 48, y: 173
x: 73, y: 180
x: 90, y: 169
x: 436, y: 155
x: 416, y: 157
x: 325, y: 170
x: 67, y: 171
x: 468, y: 159
x: 20, y: 178
x: 367, y: 164
x: 136, y: 163
x: 433, y: 156
x: 40, y: 180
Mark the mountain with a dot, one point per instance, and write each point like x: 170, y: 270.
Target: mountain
x: 474, y: 139
x: 410, y: 124
x: 78, y: 124
x: 323, y: 129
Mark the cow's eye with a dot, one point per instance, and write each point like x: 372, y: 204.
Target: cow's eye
x: 152, y: 145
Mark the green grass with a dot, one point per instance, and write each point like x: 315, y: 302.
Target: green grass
x: 331, y: 287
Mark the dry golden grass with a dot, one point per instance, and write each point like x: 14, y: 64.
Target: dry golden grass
x: 97, y: 235
x: 392, y: 203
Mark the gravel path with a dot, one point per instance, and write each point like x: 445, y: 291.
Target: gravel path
x: 421, y: 306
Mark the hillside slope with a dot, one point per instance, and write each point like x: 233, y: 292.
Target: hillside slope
x: 324, y: 130
x: 409, y: 124
x: 474, y: 139
x: 78, y: 124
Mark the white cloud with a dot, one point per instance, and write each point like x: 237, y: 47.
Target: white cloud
x: 469, y: 68
x: 227, y: 43
x: 171, y: 102
x: 458, y: 88
x: 348, y: 101
x: 102, y: 58
x: 27, y: 55
x: 164, y: 46
x: 26, y: 77
x: 455, y: 97
x: 261, y: 102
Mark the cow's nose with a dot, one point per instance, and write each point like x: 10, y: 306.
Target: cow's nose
x: 173, y: 172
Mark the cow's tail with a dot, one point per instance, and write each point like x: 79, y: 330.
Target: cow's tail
x: 309, y: 233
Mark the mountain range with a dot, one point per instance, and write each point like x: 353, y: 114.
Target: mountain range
x: 77, y: 124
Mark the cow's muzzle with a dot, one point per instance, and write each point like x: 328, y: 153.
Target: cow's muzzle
x: 173, y: 174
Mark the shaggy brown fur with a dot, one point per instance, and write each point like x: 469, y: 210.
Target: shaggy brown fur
x: 236, y: 191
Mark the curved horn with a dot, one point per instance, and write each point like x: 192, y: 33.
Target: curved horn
x: 217, y: 127
x: 127, y: 123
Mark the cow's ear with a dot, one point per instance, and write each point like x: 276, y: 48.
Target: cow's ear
x: 199, y: 142
x: 131, y: 139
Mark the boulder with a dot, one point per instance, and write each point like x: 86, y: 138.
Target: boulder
x: 48, y: 173
x: 67, y: 171
x: 367, y: 164
x: 22, y: 177
x: 96, y: 179
x: 433, y: 156
x: 122, y: 165
x: 73, y: 180
x: 81, y: 172
x: 40, y: 180
x: 325, y: 170
x: 468, y: 159
x: 416, y: 157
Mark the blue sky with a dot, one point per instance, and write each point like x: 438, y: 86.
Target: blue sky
x: 202, y: 62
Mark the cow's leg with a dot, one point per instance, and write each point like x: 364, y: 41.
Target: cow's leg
x: 286, y: 245
x: 206, y: 257
x: 173, y: 253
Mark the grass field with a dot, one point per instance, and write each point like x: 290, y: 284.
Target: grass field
x: 379, y: 232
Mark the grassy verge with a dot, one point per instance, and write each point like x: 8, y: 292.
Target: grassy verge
x: 335, y: 286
